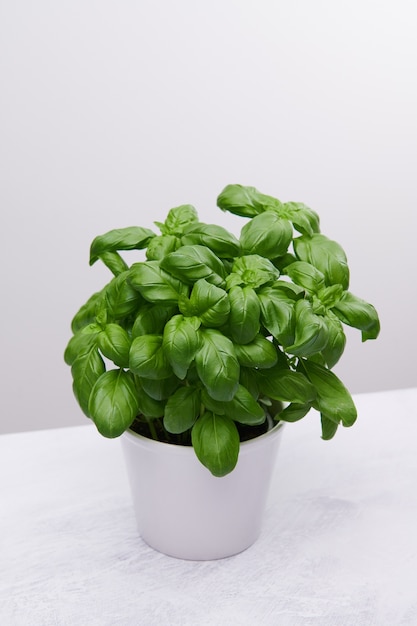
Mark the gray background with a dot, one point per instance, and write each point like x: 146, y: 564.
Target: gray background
x: 113, y: 112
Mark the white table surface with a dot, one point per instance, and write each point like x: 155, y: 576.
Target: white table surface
x: 338, y: 547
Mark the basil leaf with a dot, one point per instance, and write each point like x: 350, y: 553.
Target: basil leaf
x: 190, y: 263
x: 245, y: 312
x: 114, y: 262
x: 114, y: 343
x: 160, y: 246
x: 311, y: 335
x: 87, y: 313
x: 277, y: 313
x: 155, y: 284
x: 86, y: 369
x: 131, y: 238
x: 258, y: 353
x: 251, y: 271
x: 120, y: 297
x: 218, y: 239
x: 245, y: 201
x: 178, y: 219
x: 244, y: 408
x: 359, y: 314
x: 294, y: 412
x: 328, y: 296
x: 217, y: 365
x: 266, y: 234
x: 182, y: 410
x: 180, y: 343
x: 336, y: 340
x: 216, y: 443
x: 147, y: 405
x: 81, y: 342
x: 113, y: 402
x: 152, y: 318
x: 306, y: 275
x: 208, y: 302
x: 305, y: 220
x: 147, y: 357
x: 333, y: 399
x: 326, y: 255
x: 328, y: 427
x: 283, y: 384
x: 159, y: 389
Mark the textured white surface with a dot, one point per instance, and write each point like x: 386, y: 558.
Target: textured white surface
x: 338, y: 547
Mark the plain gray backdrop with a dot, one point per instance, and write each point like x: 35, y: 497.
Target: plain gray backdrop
x: 114, y: 112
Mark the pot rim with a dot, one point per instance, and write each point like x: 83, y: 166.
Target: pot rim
x: 275, y: 431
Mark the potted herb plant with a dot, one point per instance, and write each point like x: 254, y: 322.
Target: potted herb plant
x: 202, y: 348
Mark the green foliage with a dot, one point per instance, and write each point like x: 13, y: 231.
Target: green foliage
x: 208, y: 332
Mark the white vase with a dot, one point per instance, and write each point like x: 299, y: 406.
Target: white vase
x: 184, y: 511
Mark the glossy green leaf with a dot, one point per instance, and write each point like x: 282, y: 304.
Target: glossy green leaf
x: 357, y: 313
x: 267, y: 235
x: 190, y: 263
x: 148, y: 405
x: 285, y: 385
x: 151, y: 318
x: 252, y: 271
x: 114, y: 343
x: 87, y: 313
x: 208, y: 302
x: 305, y: 220
x: 131, y: 238
x: 333, y: 399
x: 81, y: 342
x: 218, y: 239
x: 244, y: 408
x: 181, y: 342
x: 216, y: 443
x: 245, y: 201
x: 147, y: 357
x: 258, y: 353
x: 160, y: 246
x: 182, y: 410
x: 154, y: 284
x: 326, y: 255
x: 160, y: 389
x: 178, y: 219
x: 294, y: 412
x: 328, y: 427
x: 217, y: 364
x: 336, y: 340
x: 114, y: 262
x: 120, y: 297
x: 277, y: 313
x: 328, y: 296
x: 86, y: 370
x: 245, y: 310
x: 311, y: 334
x: 113, y: 402
x: 306, y: 275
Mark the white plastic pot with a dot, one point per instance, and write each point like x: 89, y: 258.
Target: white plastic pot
x: 184, y: 511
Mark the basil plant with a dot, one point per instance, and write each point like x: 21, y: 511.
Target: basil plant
x: 209, y: 339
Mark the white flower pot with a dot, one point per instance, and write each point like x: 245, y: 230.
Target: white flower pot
x: 184, y: 511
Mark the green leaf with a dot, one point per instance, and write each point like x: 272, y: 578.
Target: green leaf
x: 160, y: 246
x: 333, y: 399
x: 86, y: 369
x: 147, y: 405
x: 216, y: 443
x: 217, y: 365
x: 245, y: 201
x: 328, y: 296
x: 218, y: 239
x: 326, y: 255
x: 178, y: 219
x: 181, y: 342
x: 159, y: 389
x: 81, y: 342
x: 306, y: 275
x: 258, y: 353
x: 305, y: 220
x: 147, y: 357
x: 252, y: 271
x: 359, y: 314
x: 114, y: 343
x: 245, y: 311
x: 266, y: 234
x: 120, y: 297
x: 152, y: 318
x: 190, y: 263
x: 182, y: 410
x: 244, y: 408
x: 113, y: 402
x: 87, y: 313
x: 294, y: 412
x: 208, y: 302
x: 155, y: 284
x: 311, y: 334
x: 336, y: 340
x: 131, y: 238
x: 114, y: 262
x: 283, y: 384
x: 328, y: 427
x: 277, y: 313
